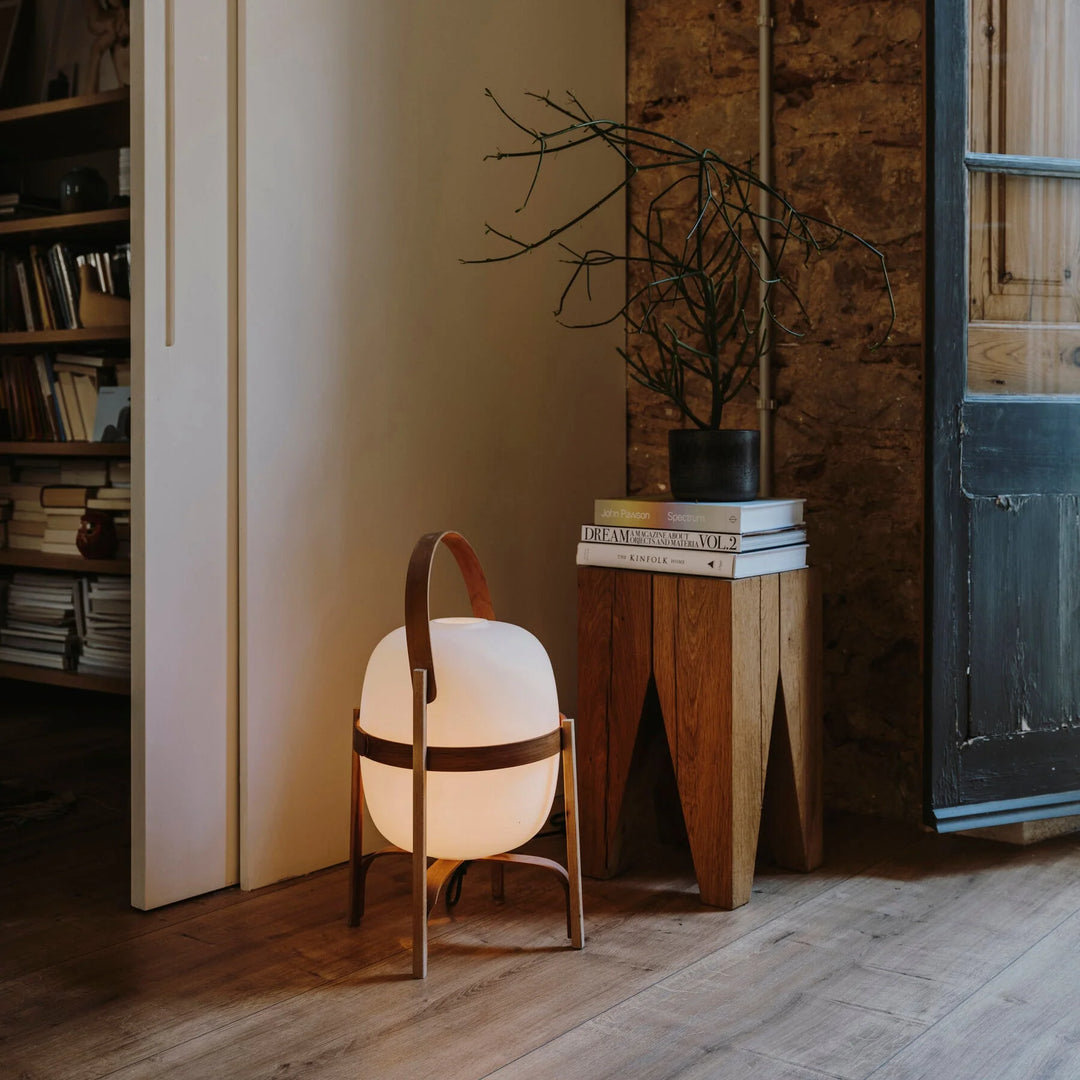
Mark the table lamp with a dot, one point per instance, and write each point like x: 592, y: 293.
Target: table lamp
x: 456, y: 747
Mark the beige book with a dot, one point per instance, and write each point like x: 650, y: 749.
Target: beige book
x: 25, y: 543
x: 26, y: 528
x: 87, y: 395
x: 70, y: 397
x: 62, y: 405
x: 59, y: 549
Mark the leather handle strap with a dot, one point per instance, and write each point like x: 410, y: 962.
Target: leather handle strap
x: 417, y: 607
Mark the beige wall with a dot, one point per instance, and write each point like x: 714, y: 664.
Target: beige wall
x: 386, y: 390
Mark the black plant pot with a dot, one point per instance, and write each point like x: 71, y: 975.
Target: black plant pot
x: 720, y: 466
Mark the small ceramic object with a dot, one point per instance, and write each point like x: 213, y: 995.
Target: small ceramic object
x: 82, y: 189
x: 96, y: 538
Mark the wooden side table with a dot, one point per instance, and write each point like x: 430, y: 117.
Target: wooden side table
x: 737, y: 668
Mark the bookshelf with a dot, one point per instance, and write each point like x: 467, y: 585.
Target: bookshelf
x: 34, y: 140
x: 42, y: 560
x: 36, y: 340
x: 103, y: 684
x: 66, y: 449
x: 88, y: 225
x: 74, y: 125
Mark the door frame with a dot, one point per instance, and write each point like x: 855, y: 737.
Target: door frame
x: 948, y: 517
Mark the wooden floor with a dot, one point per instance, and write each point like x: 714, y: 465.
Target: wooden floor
x: 907, y: 956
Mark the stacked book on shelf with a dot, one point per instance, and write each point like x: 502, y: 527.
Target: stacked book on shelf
x: 37, y: 626
x: 66, y: 397
x: 40, y: 286
x: 103, y: 621
x: 48, y: 497
x: 712, y: 539
x: 14, y: 204
x: 66, y: 623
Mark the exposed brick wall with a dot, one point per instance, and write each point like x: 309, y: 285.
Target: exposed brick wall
x: 849, y: 429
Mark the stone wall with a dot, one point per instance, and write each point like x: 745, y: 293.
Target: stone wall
x: 849, y: 119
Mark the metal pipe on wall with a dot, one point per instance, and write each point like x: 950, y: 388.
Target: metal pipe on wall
x: 766, y: 405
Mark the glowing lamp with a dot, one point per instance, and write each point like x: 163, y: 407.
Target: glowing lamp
x: 457, y: 745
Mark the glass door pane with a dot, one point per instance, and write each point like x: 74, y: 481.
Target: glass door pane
x: 1024, y: 331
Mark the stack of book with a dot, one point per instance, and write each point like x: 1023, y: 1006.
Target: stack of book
x: 62, y: 398
x: 728, y: 540
x: 13, y: 204
x: 39, y: 288
x: 38, y: 622
x: 103, y: 618
x: 50, y: 496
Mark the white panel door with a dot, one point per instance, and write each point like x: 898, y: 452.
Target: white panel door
x: 387, y: 390
x: 184, y: 719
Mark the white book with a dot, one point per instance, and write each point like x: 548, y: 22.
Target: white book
x: 693, y: 541
x: 29, y: 656
x: 721, y: 564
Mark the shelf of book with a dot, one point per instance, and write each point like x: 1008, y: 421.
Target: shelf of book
x: 33, y: 340
x: 104, y: 684
x: 75, y: 125
x: 67, y: 449
x: 41, y: 560
x: 83, y: 226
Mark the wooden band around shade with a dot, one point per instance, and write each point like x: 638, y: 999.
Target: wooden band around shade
x: 417, y: 608
x: 459, y: 758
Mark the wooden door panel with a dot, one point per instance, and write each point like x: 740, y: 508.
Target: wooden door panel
x: 1025, y: 230
x: 1025, y: 82
x: 1019, y: 447
x: 1036, y: 359
x: 1025, y: 614
x: 1004, y: 555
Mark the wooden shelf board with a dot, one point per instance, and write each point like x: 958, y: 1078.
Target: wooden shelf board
x: 67, y: 449
x: 71, y: 125
x: 104, y: 684
x: 41, y: 560
x: 43, y: 339
x: 48, y: 226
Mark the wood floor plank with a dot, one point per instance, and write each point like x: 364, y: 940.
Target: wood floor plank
x: 492, y: 970
x: 902, y: 950
x: 1023, y: 1023
x: 843, y: 983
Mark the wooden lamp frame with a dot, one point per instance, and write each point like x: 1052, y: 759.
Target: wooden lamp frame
x: 428, y: 881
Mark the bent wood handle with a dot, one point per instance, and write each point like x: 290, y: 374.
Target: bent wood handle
x: 417, y: 608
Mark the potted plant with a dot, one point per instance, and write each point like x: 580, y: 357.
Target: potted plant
x: 708, y: 266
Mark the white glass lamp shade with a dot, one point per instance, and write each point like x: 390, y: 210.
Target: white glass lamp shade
x: 494, y: 685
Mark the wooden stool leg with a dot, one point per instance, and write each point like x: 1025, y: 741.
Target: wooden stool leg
x: 793, y: 804
x: 614, y: 667
x: 717, y: 732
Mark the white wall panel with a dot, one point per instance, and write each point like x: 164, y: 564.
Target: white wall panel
x: 184, y: 608
x: 385, y: 389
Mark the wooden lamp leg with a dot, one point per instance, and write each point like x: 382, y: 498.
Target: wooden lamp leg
x: 356, y: 839
x: 498, y: 883
x: 573, y: 840
x: 419, y: 810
